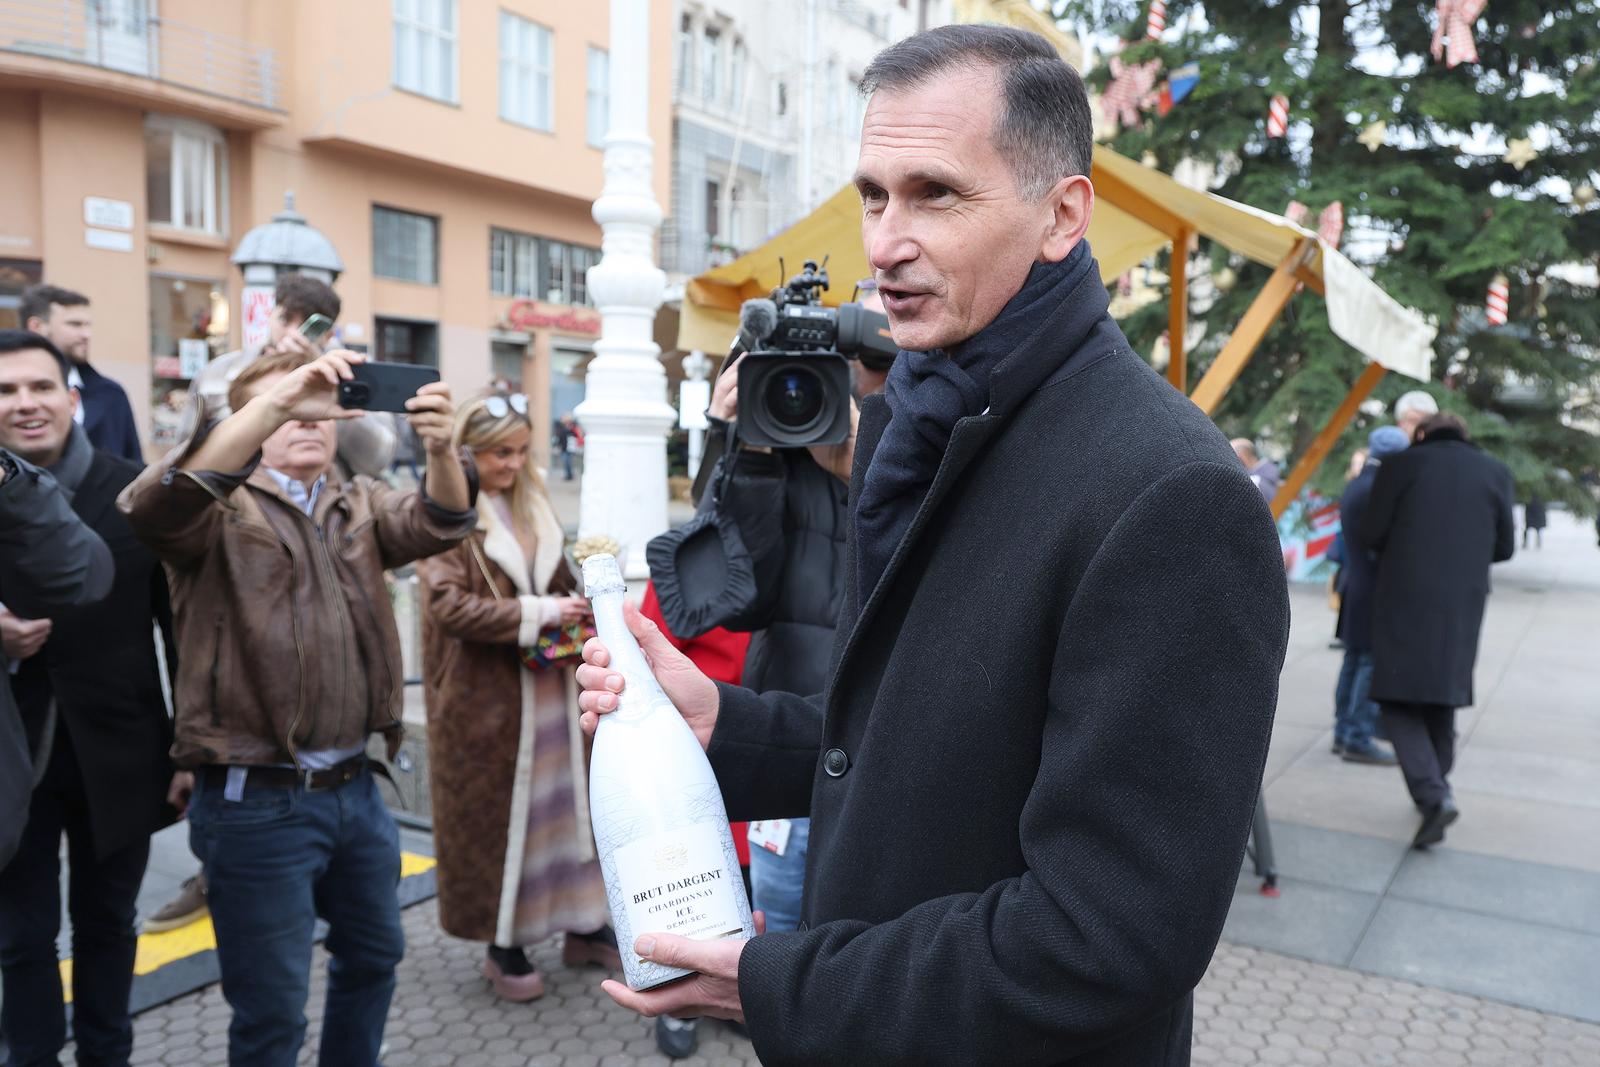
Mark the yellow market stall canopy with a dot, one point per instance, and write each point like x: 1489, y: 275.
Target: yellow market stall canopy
x: 1138, y: 210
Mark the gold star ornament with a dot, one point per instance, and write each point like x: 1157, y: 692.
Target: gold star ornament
x: 1519, y: 152
x: 1375, y: 136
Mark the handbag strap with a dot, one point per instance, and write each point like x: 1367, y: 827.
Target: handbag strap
x: 483, y: 567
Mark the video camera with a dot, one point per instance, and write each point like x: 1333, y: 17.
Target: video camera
x: 794, y: 386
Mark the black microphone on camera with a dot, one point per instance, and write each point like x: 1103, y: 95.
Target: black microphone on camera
x: 757, y: 319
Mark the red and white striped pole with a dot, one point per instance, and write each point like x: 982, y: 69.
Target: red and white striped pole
x: 1499, y: 300
x: 1278, y: 116
x: 1157, y: 20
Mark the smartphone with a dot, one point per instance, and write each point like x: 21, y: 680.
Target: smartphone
x: 316, y: 328
x: 384, y: 386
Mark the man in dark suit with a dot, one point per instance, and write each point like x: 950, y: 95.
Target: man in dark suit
x: 87, y: 683
x: 1034, y: 767
x: 1439, y: 515
x: 62, y: 316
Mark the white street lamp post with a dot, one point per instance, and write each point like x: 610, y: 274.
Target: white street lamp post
x: 625, y: 414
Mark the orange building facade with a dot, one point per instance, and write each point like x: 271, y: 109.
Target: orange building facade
x: 449, y: 149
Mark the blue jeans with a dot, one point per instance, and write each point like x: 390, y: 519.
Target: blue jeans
x: 275, y: 861
x: 1355, y: 715
x: 776, y: 882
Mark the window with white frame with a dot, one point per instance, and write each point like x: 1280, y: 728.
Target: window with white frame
x: 186, y: 175
x: 522, y: 265
x: 513, y: 263
x: 736, y: 75
x: 405, y: 246
x: 526, y: 75
x: 711, y: 65
x: 685, y: 52
x: 599, y: 100
x: 425, y: 48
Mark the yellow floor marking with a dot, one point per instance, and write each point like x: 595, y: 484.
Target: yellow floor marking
x: 169, y: 946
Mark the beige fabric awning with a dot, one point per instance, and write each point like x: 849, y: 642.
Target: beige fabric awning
x: 1137, y: 211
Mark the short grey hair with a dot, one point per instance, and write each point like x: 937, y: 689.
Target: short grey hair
x: 1045, y: 131
x: 1417, y: 400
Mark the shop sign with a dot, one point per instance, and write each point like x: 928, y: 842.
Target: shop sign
x: 193, y: 353
x: 108, y: 240
x: 107, y: 213
x: 537, y: 315
x: 257, y: 301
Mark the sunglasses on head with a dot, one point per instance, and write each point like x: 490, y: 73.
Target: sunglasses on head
x: 499, y: 405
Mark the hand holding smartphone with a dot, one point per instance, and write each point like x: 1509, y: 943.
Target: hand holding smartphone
x: 383, y: 386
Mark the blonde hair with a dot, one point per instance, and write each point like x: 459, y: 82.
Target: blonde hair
x: 480, y: 431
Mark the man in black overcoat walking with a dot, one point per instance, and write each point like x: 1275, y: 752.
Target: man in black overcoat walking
x: 87, y: 683
x: 1440, y: 513
x: 1032, y: 772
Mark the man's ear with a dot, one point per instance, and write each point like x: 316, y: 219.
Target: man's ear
x: 1071, y: 203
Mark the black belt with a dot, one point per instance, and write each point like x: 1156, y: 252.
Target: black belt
x: 216, y: 776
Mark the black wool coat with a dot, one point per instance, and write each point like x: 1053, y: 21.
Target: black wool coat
x: 1440, y: 514
x: 1359, y: 573
x: 100, y: 665
x: 1032, y: 774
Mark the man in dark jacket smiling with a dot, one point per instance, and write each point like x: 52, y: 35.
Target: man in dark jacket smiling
x: 1057, y: 660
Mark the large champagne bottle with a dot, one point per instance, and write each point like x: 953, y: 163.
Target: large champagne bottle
x: 661, y: 831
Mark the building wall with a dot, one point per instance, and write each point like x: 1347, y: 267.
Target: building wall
x: 89, y: 148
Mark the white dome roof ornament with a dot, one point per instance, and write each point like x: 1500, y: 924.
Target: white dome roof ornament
x: 288, y: 243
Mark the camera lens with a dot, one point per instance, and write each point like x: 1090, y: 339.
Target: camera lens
x: 794, y: 396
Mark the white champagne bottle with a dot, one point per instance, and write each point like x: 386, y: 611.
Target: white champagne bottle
x: 661, y: 831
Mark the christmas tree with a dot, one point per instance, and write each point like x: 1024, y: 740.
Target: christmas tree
x: 1451, y: 172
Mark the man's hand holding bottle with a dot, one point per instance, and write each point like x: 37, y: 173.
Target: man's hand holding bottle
x: 689, y: 689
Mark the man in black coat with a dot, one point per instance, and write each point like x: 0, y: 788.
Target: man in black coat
x: 1057, y: 665
x: 1440, y: 514
x: 87, y: 683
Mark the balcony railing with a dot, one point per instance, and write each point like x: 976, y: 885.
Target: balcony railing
x: 122, y: 35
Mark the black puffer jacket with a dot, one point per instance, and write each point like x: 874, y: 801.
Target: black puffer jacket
x: 797, y: 557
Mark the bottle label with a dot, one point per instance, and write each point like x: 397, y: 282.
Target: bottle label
x: 677, y: 883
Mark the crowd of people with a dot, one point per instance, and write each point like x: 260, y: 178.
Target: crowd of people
x: 1002, y: 747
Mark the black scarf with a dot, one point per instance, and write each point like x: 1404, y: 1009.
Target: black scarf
x: 928, y: 393
x: 74, y: 463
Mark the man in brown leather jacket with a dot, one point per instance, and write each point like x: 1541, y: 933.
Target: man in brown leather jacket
x: 292, y: 660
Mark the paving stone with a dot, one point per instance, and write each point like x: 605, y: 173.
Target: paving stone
x: 1253, y: 1006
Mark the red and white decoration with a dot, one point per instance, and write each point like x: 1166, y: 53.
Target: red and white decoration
x: 1278, y: 116
x: 1499, y: 300
x: 1330, y: 224
x: 1157, y: 20
x: 1129, y: 89
x: 1295, y: 212
x: 1452, y: 34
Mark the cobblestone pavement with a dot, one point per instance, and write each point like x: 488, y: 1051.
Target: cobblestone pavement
x: 1253, y: 1007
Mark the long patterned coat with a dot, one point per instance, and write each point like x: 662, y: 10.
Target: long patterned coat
x: 509, y: 791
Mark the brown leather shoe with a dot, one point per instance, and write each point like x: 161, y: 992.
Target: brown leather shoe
x: 599, y: 948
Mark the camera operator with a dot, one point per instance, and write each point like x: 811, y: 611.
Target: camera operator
x: 798, y: 555
x: 48, y: 559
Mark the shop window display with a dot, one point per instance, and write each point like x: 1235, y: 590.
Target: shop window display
x: 188, y: 328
